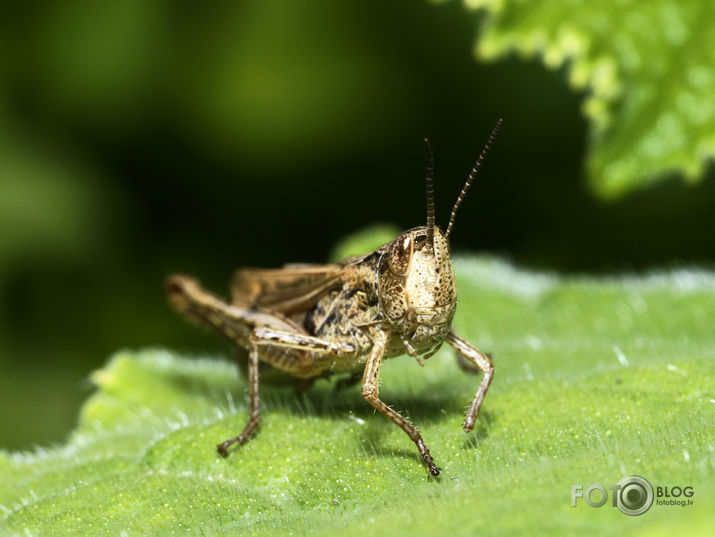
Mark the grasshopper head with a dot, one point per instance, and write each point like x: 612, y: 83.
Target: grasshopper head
x: 418, y: 294
x: 417, y: 291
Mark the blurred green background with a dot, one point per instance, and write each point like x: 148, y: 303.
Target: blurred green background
x: 142, y: 138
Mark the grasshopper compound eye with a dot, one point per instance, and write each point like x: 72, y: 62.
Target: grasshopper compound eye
x: 400, y: 255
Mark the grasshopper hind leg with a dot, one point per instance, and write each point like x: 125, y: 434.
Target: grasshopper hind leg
x: 255, y: 412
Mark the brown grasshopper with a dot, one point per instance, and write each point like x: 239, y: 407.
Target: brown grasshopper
x: 312, y: 321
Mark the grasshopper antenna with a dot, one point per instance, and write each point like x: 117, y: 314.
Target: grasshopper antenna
x: 471, y: 177
x: 429, y: 186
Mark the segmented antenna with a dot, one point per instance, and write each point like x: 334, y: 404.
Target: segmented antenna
x: 429, y: 186
x: 471, y: 177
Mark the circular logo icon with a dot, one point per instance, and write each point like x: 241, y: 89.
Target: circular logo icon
x: 635, y: 495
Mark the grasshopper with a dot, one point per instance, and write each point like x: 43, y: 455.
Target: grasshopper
x: 312, y: 321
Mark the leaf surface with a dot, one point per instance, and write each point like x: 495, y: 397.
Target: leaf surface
x: 595, y: 379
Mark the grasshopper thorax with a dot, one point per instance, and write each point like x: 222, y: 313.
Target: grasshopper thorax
x: 417, y: 291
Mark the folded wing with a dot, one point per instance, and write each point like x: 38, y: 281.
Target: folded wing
x: 287, y: 290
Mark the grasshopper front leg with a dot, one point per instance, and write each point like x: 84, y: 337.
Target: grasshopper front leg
x: 370, y: 391
x: 482, y: 361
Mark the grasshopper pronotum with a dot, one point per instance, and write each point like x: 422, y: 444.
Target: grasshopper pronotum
x: 311, y: 321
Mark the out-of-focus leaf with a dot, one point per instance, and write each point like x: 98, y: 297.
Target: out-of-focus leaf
x: 47, y: 199
x: 648, y: 69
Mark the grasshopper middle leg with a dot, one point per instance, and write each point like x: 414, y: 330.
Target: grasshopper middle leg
x: 370, y: 392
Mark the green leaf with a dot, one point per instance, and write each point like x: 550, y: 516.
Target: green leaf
x: 648, y: 68
x: 595, y: 379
